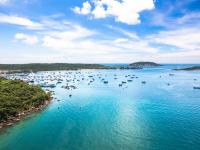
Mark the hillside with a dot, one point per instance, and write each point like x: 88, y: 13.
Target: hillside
x: 18, y: 97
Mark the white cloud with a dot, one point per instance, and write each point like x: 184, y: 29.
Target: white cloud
x: 190, y: 17
x: 28, y: 39
x: 3, y: 2
x: 66, y: 39
x: 74, y: 43
x: 129, y: 34
x: 191, y: 57
x: 80, y: 41
x: 120, y: 40
x: 21, y: 21
x: 126, y: 11
x: 84, y: 10
x: 185, y: 39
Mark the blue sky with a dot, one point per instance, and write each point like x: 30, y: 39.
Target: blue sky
x: 99, y: 31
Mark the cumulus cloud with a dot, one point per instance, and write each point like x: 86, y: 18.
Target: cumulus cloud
x: 126, y: 11
x: 21, y: 21
x: 28, y: 39
x: 86, y: 9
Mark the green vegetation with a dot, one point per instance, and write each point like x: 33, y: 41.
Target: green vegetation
x: 35, y: 67
x: 144, y: 64
x: 17, y: 96
x: 190, y: 68
x: 50, y: 67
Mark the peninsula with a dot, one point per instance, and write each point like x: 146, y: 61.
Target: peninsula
x: 19, y: 99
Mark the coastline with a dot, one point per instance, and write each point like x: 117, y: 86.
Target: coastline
x: 193, y: 68
x: 36, y: 67
x: 22, y: 115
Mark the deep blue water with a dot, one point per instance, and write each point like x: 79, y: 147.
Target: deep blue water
x: 163, y: 114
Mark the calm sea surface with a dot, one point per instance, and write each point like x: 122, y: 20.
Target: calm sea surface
x: 163, y: 114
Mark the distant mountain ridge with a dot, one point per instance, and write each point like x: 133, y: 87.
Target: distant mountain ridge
x: 144, y: 64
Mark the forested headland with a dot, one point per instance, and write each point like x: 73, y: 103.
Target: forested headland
x: 18, y: 98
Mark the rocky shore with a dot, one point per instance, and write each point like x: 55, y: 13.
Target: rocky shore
x: 22, y: 115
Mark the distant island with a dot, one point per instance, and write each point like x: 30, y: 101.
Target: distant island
x: 193, y: 68
x: 144, y: 64
x: 18, y: 99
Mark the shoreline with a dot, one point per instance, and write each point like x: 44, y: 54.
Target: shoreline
x: 193, y: 68
x: 22, y: 115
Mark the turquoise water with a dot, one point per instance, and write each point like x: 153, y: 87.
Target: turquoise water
x: 136, y: 116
